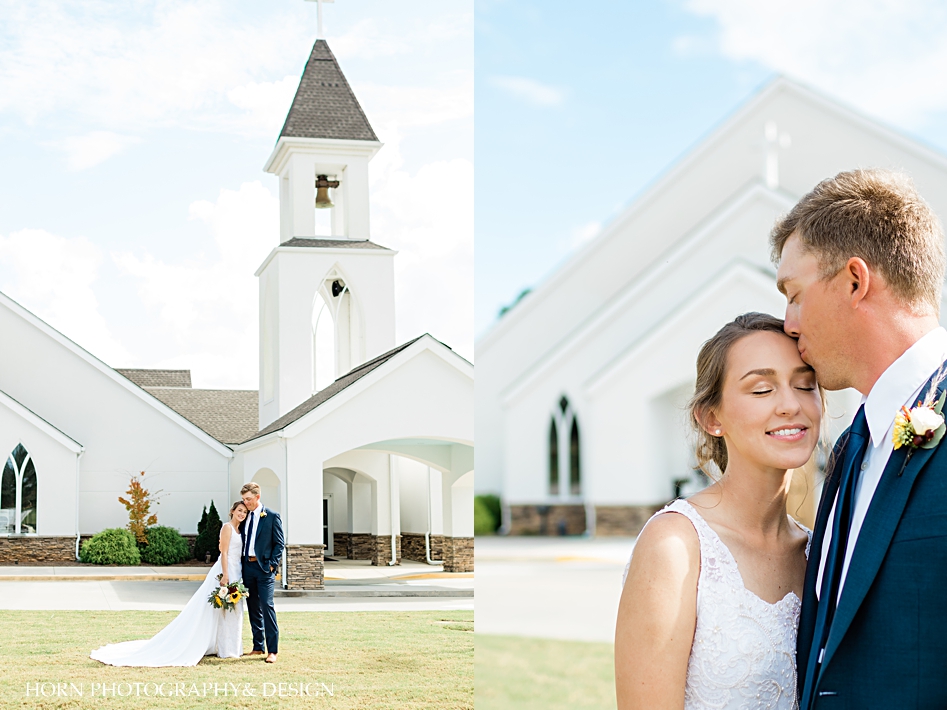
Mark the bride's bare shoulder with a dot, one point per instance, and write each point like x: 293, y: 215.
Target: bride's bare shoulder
x: 668, y: 532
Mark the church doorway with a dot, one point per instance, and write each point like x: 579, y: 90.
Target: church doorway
x: 327, y: 526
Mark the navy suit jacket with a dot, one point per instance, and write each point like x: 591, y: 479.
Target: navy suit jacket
x: 887, y: 647
x: 268, y: 546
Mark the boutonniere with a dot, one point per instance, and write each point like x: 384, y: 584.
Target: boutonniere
x: 263, y: 512
x: 923, y: 426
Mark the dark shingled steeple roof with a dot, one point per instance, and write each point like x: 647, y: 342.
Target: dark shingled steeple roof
x: 324, y: 105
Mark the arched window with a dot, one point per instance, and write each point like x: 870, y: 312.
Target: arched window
x: 18, y: 493
x: 553, y: 459
x: 323, y: 345
x: 332, y: 346
x: 564, y: 453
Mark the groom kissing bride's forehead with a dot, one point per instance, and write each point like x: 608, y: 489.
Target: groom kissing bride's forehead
x: 861, y: 264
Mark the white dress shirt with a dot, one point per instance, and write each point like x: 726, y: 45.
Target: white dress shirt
x: 255, y: 516
x: 899, y: 385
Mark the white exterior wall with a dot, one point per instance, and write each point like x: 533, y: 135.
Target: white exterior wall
x: 123, y: 429
x: 439, y: 410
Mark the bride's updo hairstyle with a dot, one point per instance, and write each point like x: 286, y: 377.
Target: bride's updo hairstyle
x: 711, y: 372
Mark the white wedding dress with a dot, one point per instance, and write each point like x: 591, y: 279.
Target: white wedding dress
x: 744, y: 650
x: 199, y: 630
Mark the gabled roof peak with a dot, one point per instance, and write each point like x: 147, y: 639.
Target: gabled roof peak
x: 324, y: 105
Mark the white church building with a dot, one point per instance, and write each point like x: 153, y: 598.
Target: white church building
x: 582, y: 384
x: 363, y: 445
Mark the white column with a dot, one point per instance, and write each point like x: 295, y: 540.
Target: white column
x: 302, y: 187
x: 355, y: 199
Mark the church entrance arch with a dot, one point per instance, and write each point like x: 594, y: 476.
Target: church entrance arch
x: 270, y: 492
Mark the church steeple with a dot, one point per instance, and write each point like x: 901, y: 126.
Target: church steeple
x: 326, y: 133
x: 325, y: 105
x: 327, y: 304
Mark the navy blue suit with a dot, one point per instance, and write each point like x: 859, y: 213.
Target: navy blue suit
x: 259, y: 578
x: 887, y: 646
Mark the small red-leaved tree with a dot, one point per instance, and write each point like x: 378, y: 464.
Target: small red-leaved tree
x: 138, y: 505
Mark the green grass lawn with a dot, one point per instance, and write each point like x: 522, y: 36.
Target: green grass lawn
x: 418, y: 659
x: 534, y: 674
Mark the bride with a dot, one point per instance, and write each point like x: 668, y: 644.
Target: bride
x: 710, y: 606
x: 200, y: 629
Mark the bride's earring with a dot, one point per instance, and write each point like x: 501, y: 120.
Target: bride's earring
x: 717, y: 432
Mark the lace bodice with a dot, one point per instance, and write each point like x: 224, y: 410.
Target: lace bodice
x: 744, y: 648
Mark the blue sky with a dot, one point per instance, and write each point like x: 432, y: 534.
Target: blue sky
x: 134, y: 206
x: 580, y: 106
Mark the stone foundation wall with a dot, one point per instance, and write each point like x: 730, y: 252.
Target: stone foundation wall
x: 341, y: 544
x: 37, y: 550
x: 458, y: 554
x: 305, y: 567
x: 361, y: 546
x: 412, y: 547
x: 622, y: 519
x: 547, y: 520
x: 382, y: 552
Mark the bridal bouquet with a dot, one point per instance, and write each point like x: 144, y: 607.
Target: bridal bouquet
x: 227, y: 597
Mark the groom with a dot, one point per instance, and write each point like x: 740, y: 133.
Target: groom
x: 861, y: 263
x: 262, y: 536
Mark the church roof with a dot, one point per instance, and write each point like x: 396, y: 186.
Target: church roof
x: 332, y: 243
x: 230, y: 416
x: 348, y: 379
x: 324, y: 105
x: 157, y: 378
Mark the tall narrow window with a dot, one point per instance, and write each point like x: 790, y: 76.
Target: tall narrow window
x: 18, y: 493
x: 323, y: 345
x: 565, y: 474
x: 553, y: 459
x: 8, y: 499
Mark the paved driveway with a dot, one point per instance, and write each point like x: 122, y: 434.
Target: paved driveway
x: 564, y: 588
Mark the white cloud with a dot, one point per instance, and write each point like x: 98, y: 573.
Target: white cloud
x: 172, y: 66
x: 53, y: 277
x: 886, y: 57
x: 417, y: 106
x: 428, y: 217
x: 267, y: 102
x: 529, y: 90
x: 192, y: 64
x: 93, y: 148
x: 208, y: 310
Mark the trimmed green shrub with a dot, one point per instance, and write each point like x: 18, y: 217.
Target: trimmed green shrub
x: 200, y: 546
x: 113, y: 546
x: 484, y: 522
x: 165, y: 546
x: 208, y: 539
x: 492, y: 505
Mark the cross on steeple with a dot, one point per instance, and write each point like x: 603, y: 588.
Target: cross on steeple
x: 319, y: 34
x: 774, y: 141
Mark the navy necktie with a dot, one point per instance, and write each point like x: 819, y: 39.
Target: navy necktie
x: 249, y: 533
x: 850, y: 472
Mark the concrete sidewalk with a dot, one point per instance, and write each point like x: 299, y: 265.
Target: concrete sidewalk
x: 355, y: 583
x: 550, y: 587
x: 172, y: 596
